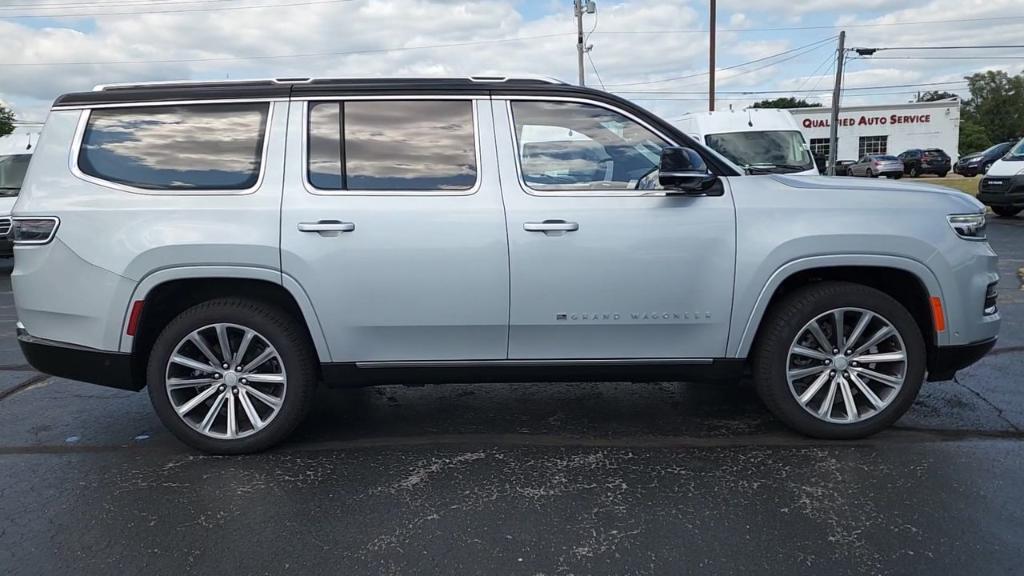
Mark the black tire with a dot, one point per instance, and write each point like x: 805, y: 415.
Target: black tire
x: 1006, y: 211
x: 284, y: 332
x: 914, y: 172
x: 899, y: 175
x: 942, y: 174
x: 788, y: 317
x: 871, y: 173
x: 984, y: 168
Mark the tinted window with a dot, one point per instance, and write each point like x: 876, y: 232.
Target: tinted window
x: 392, y: 145
x: 566, y: 145
x: 207, y: 146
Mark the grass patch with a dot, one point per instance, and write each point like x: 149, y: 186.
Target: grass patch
x: 968, y: 185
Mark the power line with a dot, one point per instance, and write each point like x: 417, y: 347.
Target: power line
x: 791, y: 91
x: 740, y: 98
x: 281, y: 56
x: 976, y: 47
x: 812, y: 45
x: 997, y: 57
x: 822, y: 27
x: 106, y: 4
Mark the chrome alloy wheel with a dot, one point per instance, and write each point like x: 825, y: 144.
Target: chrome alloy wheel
x: 846, y: 365
x: 226, y: 381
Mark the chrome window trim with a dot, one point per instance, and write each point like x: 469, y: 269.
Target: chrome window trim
x: 412, y: 193
x: 167, y: 103
x: 570, y: 191
x: 83, y: 121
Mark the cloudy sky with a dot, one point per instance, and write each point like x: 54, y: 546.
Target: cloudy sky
x: 654, y: 52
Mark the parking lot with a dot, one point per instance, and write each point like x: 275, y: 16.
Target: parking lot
x: 529, y: 478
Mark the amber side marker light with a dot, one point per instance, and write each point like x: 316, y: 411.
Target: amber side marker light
x: 938, y: 316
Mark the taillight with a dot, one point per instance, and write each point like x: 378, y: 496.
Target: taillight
x: 38, y: 230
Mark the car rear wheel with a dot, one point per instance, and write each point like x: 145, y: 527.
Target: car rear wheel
x: 942, y: 174
x: 871, y: 173
x: 232, y: 376
x: 1006, y: 211
x: 839, y: 360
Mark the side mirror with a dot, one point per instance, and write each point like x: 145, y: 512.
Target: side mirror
x: 684, y: 171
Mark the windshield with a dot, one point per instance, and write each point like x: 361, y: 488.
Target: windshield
x: 1016, y: 153
x: 12, y: 172
x: 779, y: 151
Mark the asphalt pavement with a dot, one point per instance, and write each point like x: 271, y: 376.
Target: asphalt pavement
x: 595, y: 478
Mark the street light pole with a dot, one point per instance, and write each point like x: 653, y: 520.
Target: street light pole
x: 713, y: 9
x: 833, y: 137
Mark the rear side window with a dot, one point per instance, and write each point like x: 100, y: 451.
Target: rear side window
x: 393, y: 145
x: 186, y: 147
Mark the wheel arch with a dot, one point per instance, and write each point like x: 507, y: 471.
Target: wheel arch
x: 168, y: 292
x: 910, y: 282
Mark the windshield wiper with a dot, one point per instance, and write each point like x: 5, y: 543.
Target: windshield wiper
x: 774, y: 168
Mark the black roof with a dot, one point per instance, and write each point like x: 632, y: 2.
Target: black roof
x: 284, y: 88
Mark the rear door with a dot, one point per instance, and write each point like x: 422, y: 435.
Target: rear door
x: 393, y: 225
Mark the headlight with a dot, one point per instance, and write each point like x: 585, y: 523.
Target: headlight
x: 974, y: 160
x: 968, y: 226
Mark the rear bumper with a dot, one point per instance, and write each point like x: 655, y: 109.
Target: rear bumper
x: 945, y: 361
x: 113, y: 369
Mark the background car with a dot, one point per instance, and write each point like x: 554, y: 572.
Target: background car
x: 980, y: 162
x: 875, y: 165
x: 927, y: 161
x: 843, y: 167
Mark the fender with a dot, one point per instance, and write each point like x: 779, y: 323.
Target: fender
x: 746, y: 324
x: 158, y: 277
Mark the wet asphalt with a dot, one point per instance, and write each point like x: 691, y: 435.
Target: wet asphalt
x: 596, y: 478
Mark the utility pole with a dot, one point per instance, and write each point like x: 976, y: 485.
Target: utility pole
x: 713, y: 9
x: 578, y: 11
x: 833, y: 137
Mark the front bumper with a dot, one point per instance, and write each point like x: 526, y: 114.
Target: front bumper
x: 944, y: 361
x: 113, y: 369
x: 1002, y: 191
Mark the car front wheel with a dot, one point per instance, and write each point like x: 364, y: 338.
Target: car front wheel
x: 839, y: 360
x: 232, y: 376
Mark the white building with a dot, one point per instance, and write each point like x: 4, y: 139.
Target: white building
x: 883, y: 129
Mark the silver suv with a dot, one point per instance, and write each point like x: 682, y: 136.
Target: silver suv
x: 232, y: 245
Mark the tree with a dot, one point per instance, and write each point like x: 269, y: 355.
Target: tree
x: 973, y: 137
x: 786, y: 102
x: 933, y: 95
x: 6, y: 120
x: 996, y: 104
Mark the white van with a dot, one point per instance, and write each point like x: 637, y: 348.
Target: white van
x: 760, y: 140
x: 1002, y: 188
x: 15, y: 152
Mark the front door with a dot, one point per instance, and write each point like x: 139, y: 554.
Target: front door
x: 603, y: 265
x: 393, y: 225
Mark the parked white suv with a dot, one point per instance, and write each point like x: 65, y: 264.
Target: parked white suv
x: 232, y: 245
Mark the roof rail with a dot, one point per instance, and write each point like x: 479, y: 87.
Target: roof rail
x: 101, y: 87
x: 503, y: 78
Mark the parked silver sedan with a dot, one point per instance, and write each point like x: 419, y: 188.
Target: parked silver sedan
x: 875, y: 165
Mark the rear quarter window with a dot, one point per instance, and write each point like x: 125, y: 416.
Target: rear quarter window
x: 215, y: 147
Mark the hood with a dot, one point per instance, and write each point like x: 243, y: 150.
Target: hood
x: 7, y: 204
x: 1006, y: 168
x: 967, y: 157
x: 961, y: 201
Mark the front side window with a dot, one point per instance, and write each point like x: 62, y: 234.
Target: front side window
x: 12, y: 173
x: 183, y: 147
x: 573, y: 146
x: 392, y: 145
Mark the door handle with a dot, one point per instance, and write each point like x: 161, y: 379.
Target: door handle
x: 327, y: 226
x: 551, y: 226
